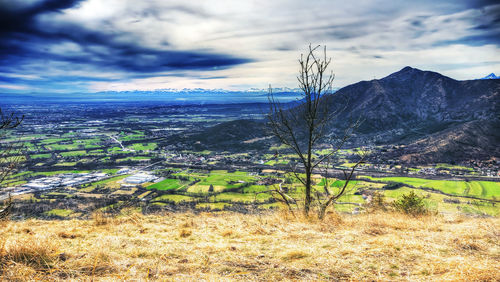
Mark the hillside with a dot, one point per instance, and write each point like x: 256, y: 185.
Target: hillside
x: 411, y: 103
x: 238, y: 135
x: 269, y: 247
x: 473, y: 140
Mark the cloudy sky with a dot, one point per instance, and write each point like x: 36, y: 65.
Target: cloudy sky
x: 101, y: 45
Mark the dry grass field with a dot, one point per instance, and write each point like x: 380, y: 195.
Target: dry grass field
x: 274, y: 246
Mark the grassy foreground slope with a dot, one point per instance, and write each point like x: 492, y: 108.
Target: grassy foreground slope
x: 228, y: 246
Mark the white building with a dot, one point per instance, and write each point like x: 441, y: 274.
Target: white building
x: 139, y: 178
x: 123, y: 170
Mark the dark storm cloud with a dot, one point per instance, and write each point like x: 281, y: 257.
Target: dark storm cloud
x: 110, y: 55
x: 78, y: 78
x: 214, y: 77
x: 489, y: 19
x: 18, y: 18
x: 485, y: 28
x: 25, y: 41
x: 475, y: 40
x: 480, y: 3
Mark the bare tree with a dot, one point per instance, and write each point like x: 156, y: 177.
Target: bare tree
x: 9, y: 154
x: 305, y: 128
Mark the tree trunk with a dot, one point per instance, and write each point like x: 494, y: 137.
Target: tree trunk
x: 308, y: 198
x: 5, y: 212
x: 322, y: 212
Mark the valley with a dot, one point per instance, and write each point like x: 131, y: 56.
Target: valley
x: 78, y: 158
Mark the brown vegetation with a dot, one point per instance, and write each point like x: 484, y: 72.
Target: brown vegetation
x: 229, y: 246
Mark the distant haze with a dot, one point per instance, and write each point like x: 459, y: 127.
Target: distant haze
x: 164, y: 97
x: 84, y: 46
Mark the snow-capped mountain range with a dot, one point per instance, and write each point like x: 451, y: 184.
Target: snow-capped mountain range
x: 491, y: 76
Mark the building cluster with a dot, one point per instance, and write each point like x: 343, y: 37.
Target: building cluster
x: 195, y: 158
x: 490, y: 172
x: 61, y: 180
x: 140, y: 178
x: 186, y: 158
x: 428, y: 171
x: 268, y: 181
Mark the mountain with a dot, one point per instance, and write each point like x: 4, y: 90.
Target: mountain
x: 491, y: 76
x: 440, y: 118
x: 412, y: 103
x: 195, y: 96
x: 435, y: 117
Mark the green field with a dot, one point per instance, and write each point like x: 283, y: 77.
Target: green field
x: 50, y: 173
x: 40, y: 156
x: 74, y: 153
x: 143, y: 146
x: 255, y: 189
x: 220, y: 179
x: 136, y: 158
x: 137, y: 135
x: 213, y: 206
x: 277, y: 162
x: 174, y: 198
x: 243, y: 197
x: 110, y: 182
x: 66, y: 164
x: 456, y: 167
x: 167, y: 184
x: 481, y: 189
x: 59, y: 212
x: 53, y: 140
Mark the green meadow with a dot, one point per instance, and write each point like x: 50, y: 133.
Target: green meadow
x: 481, y: 189
x: 167, y: 184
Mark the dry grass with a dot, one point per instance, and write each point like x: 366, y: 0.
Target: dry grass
x: 228, y: 246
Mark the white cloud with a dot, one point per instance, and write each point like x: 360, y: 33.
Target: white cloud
x: 14, y: 87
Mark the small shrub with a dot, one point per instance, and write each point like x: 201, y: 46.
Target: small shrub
x: 227, y: 233
x: 411, y: 204
x: 5, y: 209
x: 393, y: 186
x: 374, y: 231
x: 467, y: 245
x: 185, y: 233
x: 377, y: 203
x: 66, y: 235
x: 294, y: 255
x: 99, y: 218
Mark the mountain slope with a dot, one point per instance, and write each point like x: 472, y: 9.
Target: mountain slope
x: 227, y: 136
x: 418, y: 102
x: 467, y: 141
x: 441, y: 119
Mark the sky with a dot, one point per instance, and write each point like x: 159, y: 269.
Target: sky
x: 66, y: 46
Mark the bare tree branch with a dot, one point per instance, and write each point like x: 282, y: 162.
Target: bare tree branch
x: 306, y: 126
x: 9, y: 154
